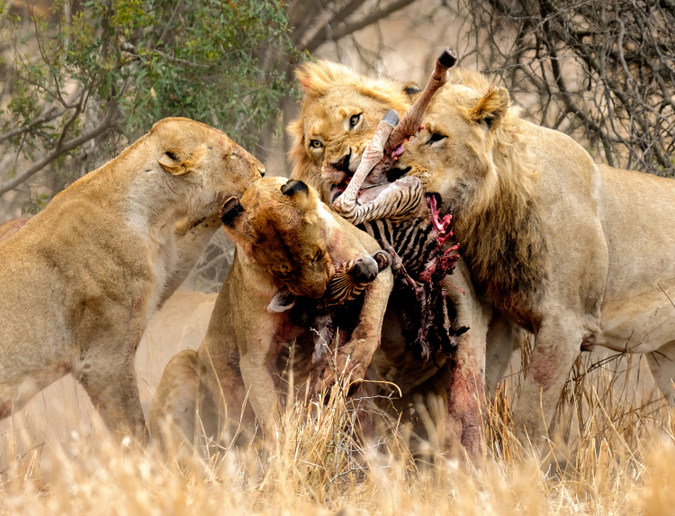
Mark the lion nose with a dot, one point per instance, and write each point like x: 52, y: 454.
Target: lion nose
x: 343, y: 163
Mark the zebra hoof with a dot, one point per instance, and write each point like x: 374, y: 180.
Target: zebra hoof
x: 364, y: 270
x: 383, y: 259
x: 448, y: 58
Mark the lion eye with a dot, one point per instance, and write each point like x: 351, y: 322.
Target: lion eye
x: 353, y: 120
x: 435, y: 137
x: 318, y: 255
x: 315, y: 144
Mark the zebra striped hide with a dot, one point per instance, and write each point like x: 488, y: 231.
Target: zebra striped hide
x: 420, y: 261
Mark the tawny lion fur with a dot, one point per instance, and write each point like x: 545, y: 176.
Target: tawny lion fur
x: 282, y: 240
x: 580, y: 255
x: 80, y: 280
x: 8, y: 228
x: 339, y: 115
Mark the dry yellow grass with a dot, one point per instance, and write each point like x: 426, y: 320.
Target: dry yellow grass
x: 619, y: 457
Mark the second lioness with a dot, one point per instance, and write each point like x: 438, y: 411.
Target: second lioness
x: 286, y: 239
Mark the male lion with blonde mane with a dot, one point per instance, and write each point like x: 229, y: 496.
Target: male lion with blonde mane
x: 80, y: 279
x: 578, y: 254
x: 339, y: 115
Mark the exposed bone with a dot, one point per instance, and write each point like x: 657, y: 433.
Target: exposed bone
x: 412, y: 119
x: 386, y: 147
x: 345, y: 205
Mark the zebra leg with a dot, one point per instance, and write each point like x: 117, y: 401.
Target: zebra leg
x: 346, y: 204
x: 365, y: 269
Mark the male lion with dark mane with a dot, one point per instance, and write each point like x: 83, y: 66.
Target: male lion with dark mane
x: 578, y: 254
x: 339, y: 115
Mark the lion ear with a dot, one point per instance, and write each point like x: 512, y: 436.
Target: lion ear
x: 230, y: 211
x: 300, y: 193
x: 306, y: 75
x: 293, y: 187
x: 172, y: 164
x: 282, y: 301
x: 491, y: 108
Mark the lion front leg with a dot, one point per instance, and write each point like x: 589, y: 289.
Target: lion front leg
x: 504, y: 337
x: 556, y: 347
x: 354, y: 357
x: 258, y: 365
x: 465, y: 392
x: 110, y: 382
x: 465, y: 388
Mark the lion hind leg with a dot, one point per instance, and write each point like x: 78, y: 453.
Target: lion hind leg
x: 662, y: 364
x: 173, y: 413
x: 643, y: 324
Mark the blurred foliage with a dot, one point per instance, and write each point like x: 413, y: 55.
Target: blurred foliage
x: 92, y: 71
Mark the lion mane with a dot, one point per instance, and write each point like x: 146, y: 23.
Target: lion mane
x: 333, y: 92
x: 506, y: 257
x: 553, y: 242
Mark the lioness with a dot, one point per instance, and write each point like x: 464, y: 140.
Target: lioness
x: 79, y: 281
x: 339, y: 115
x: 286, y: 239
x: 578, y: 254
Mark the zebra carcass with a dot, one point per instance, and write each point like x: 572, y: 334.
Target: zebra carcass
x: 406, y: 222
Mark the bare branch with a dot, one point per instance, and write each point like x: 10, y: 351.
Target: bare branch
x: 336, y: 28
x: 371, y: 18
x: 106, y: 124
x: 172, y: 18
x: 49, y: 115
x: 603, y: 72
x: 330, y: 19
